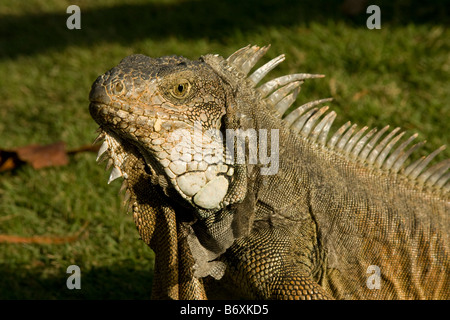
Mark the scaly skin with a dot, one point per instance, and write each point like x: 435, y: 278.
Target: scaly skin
x: 334, y: 209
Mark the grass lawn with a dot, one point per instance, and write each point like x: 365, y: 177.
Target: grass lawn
x: 398, y: 75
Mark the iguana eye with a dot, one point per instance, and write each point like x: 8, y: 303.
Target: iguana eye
x: 118, y: 88
x: 181, y: 89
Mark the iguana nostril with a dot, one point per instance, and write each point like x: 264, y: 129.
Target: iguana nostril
x: 98, y: 93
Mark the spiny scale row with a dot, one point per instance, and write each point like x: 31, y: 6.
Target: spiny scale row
x: 281, y: 93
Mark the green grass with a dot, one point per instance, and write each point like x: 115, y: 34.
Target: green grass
x: 398, y: 75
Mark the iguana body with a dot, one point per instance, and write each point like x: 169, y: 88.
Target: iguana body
x: 331, y: 216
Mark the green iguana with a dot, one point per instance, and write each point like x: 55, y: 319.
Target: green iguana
x: 239, y: 198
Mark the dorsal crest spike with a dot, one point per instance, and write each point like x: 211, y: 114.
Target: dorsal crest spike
x: 417, y: 169
x: 245, y: 58
x: 281, y: 93
x: 237, y: 54
x: 432, y: 175
x: 379, y: 147
x: 398, y: 152
x: 352, y: 142
x: 274, y: 84
x: 260, y: 73
x: 297, y: 113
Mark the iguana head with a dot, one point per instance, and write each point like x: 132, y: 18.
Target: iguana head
x: 175, y: 111
x: 171, y: 110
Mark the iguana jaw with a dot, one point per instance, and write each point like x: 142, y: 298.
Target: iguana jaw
x: 202, y: 180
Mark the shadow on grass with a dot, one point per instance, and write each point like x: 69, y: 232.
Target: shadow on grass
x: 111, y: 282
x: 193, y: 19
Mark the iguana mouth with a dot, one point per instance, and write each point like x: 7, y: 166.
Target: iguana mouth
x: 201, y: 179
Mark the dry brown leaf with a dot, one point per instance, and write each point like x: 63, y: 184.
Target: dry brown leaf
x: 39, y: 156
x: 44, y: 156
